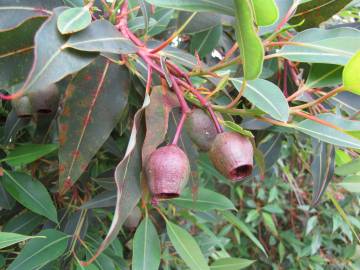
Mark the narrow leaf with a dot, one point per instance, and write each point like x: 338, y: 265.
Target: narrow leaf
x: 186, y: 247
x: 351, y: 183
x: 73, y: 20
x: 352, y: 167
x: 231, y: 264
x: 351, y: 76
x: 104, y: 199
x: 30, y: 193
x: 269, y: 223
x: 146, y: 247
x: 8, y: 238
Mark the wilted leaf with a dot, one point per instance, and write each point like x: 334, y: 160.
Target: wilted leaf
x: 38, y: 252
x: 146, y: 247
x: 251, y: 48
x: 8, y: 238
x: 351, y: 76
x: 73, y: 20
x: 186, y: 246
x: 96, y: 93
x: 30, y: 193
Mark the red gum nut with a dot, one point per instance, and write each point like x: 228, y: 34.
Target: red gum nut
x: 201, y: 129
x: 167, y: 171
x: 232, y: 155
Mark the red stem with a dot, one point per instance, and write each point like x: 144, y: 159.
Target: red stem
x: 285, y: 74
x: 179, y: 129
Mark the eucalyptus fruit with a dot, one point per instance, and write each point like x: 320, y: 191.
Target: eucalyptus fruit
x: 45, y: 100
x: 22, y: 107
x: 167, y: 171
x: 201, y: 129
x: 232, y: 155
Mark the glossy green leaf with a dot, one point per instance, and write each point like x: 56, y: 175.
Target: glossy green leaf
x: 186, y: 246
x: 23, y: 223
x: 351, y: 183
x: 229, y: 217
x: 251, y: 48
x: 352, y: 167
x: 73, y: 20
x: 327, y: 134
x: 231, y: 264
x: 225, y: 6
x: 266, y: 12
x: 266, y: 96
x: 30, y: 193
x: 323, y: 75
x: 333, y: 46
x: 351, y: 77
x: 16, y: 52
x: 52, y: 61
x: 201, y: 22
x: 127, y: 179
x: 163, y: 17
x: 8, y: 238
x: 205, y: 42
x: 40, y: 251
x: 203, y: 200
x: 322, y: 169
x: 314, y: 12
x: 27, y: 153
x: 101, y: 90
x: 101, y: 36
x: 269, y: 223
x: 146, y: 247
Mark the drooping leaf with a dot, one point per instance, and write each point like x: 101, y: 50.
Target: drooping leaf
x: 16, y: 52
x: 351, y: 76
x: 96, y: 93
x: 127, y: 178
x: 351, y: 183
x: 205, y: 42
x: 73, y: 20
x: 204, y: 200
x: 52, y: 61
x: 323, y: 75
x: 146, y: 247
x: 225, y: 6
x: 104, y: 199
x: 333, y: 46
x: 101, y: 36
x: 315, y: 12
x: 30, y: 193
x: 231, y: 264
x: 266, y: 12
x: 23, y: 223
x: 40, y: 251
x: 229, y: 217
x: 266, y: 96
x: 327, y: 134
x: 27, y: 153
x: 322, y: 169
x: 8, y: 238
x: 186, y: 246
x: 251, y: 48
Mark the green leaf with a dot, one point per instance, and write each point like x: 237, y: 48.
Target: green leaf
x: 311, y: 223
x: 146, y: 247
x: 38, y: 252
x: 323, y: 75
x: 231, y: 264
x: 8, y: 238
x: 205, y: 42
x: 27, y: 153
x: 73, y: 20
x: 266, y: 12
x: 314, y: 12
x: 322, y: 169
x: 16, y: 52
x: 351, y: 76
x: 351, y: 183
x: 266, y: 96
x: 229, y: 217
x: 83, y: 131
x: 237, y: 128
x: 203, y: 200
x: 30, y: 193
x: 23, y: 223
x: 104, y: 199
x: 163, y: 17
x: 52, y: 61
x: 225, y: 6
x: 101, y: 36
x: 327, y: 134
x: 127, y: 179
x: 186, y: 247
x: 269, y: 223
x: 333, y: 46
x: 6, y: 201
x: 352, y: 167
x: 201, y: 22
x: 251, y: 48
x: 339, y: 121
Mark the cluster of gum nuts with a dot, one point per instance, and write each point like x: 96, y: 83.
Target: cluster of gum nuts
x: 168, y: 168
